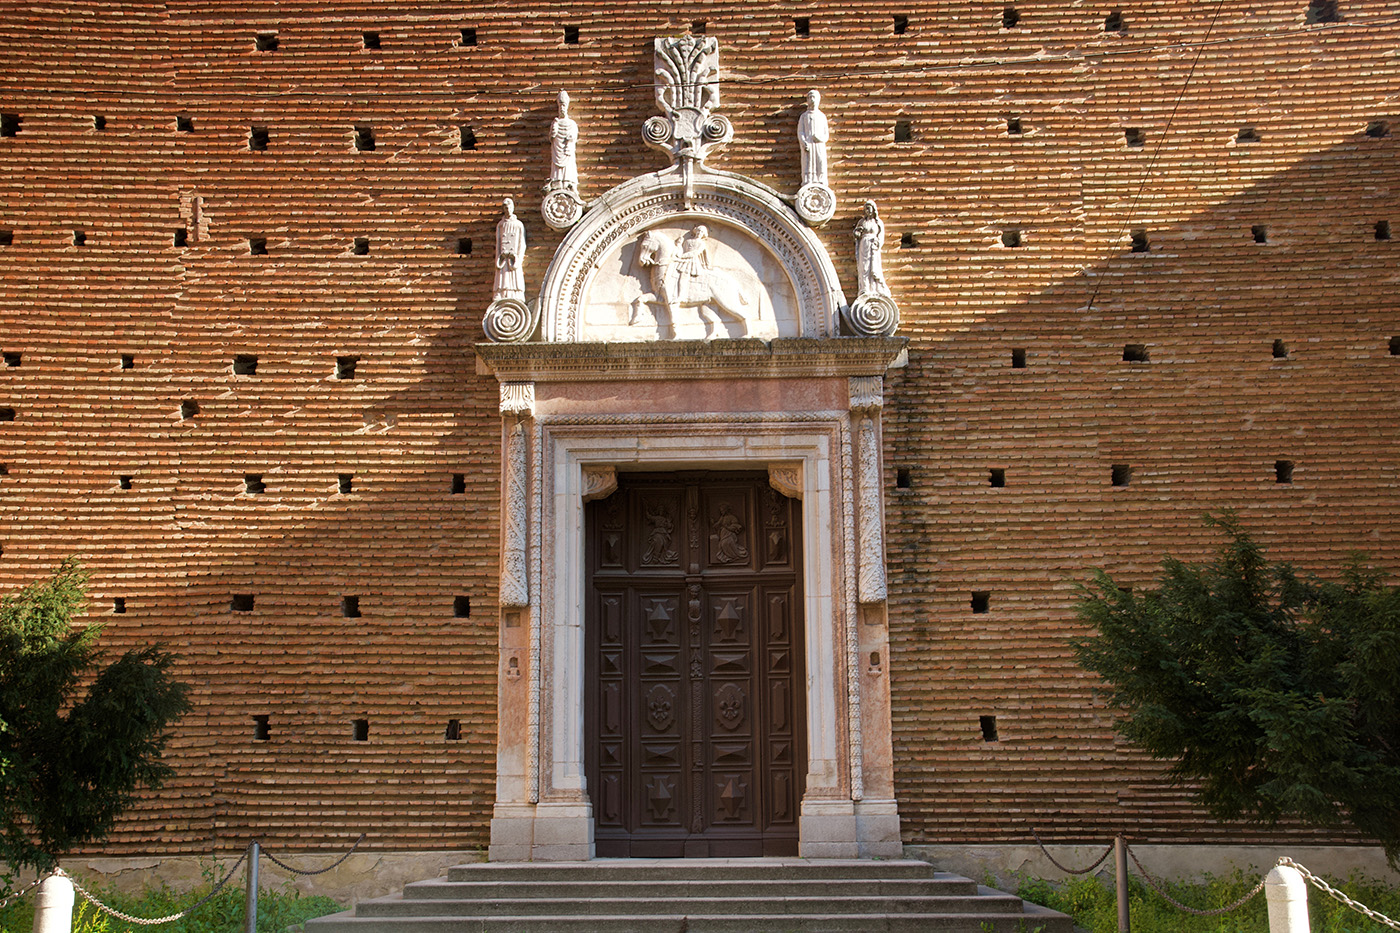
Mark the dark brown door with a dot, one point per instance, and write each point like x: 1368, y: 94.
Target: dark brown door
x: 696, y: 741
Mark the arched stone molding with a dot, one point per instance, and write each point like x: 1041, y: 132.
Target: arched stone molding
x: 754, y: 212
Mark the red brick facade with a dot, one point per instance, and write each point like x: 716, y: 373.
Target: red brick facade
x: 1255, y: 353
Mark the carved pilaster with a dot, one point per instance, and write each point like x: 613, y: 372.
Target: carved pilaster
x: 786, y: 478
x: 599, y: 482
x: 871, y: 583
x: 515, y: 580
x: 867, y: 392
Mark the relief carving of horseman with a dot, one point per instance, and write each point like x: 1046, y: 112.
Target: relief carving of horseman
x: 682, y: 279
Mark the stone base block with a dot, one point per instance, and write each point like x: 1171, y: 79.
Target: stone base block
x: 877, y: 829
x: 827, y: 829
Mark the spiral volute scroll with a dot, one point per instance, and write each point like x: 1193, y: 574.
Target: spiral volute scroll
x: 656, y: 131
x: 509, y: 320
x: 717, y: 130
x: 872, y: 316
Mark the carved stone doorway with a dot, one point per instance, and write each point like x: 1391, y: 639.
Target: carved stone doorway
x: 694, y: 699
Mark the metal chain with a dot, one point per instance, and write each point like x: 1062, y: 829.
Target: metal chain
x: 1192, y: 910
x: 22, y: 891
x: 1070, y: 871
x: 320, y: 871
x: 1361, y: 908
x: 140, y: 921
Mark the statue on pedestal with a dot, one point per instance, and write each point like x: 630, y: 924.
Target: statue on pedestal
x: 509, y: 319
x: 873, y: 313
x: 562, y: 207
x: 816, y: 202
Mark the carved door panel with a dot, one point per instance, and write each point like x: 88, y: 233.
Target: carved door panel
x: 695, y: 719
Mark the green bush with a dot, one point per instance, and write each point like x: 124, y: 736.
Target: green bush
x: 278, y: 909
x: 1093, y: 906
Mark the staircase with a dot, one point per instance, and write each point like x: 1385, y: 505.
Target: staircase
x: 696, y: 896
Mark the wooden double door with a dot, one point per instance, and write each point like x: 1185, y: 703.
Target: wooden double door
x: 694, y: 685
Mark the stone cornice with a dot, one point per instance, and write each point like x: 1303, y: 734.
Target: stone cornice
x: 781, y: 358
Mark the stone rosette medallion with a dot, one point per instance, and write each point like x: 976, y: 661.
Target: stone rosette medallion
x: 816, y: 203
x: 561, y: 208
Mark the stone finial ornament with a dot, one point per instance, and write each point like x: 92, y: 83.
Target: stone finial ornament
x: 816, y: 202
x: 509, y: 319
x: 562, y: 207
x: 687, y: 91
x: 873, y: 313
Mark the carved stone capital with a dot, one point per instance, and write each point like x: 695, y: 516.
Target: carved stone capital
x: 786, y: 478
x: 599, y: 482
x: 867, y: 393
x: 518, y: 398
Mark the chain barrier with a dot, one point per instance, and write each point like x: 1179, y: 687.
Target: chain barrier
x: 141, y: 921
x: 320, y: 871
x: 1070, y: 871
x: 1192, y: 910
x: 1338, y: 895
x: 22, y: 891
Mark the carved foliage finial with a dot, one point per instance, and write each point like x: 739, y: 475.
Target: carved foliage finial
x: 687, y: 91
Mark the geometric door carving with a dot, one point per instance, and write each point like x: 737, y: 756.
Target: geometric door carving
x: 694, y: 683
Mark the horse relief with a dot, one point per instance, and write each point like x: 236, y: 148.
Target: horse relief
x: 686, y: 287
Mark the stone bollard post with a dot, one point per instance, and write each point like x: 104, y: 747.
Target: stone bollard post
x: 53, y: 905
x: 1287, y: 893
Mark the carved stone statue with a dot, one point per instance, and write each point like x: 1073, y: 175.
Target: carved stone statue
x: 681, y: 278
x: 873, y: 313
x: 563, y: 139
x: 812, y: 134
x: 509, y: 319
x: 510, y: 255
x: 816, y: 202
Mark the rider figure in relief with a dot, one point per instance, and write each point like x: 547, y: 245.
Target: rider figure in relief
x: 692, y: 261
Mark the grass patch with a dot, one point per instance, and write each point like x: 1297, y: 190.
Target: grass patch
x: 1092, y: 905
x: 278, y: 909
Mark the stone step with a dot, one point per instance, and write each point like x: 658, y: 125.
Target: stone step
x: 944, y: 886
x: 695, y: 870
x: 399, y: 906
x: 1036, y: 920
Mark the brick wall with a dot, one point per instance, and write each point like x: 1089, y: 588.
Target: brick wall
x: 1201, y: 423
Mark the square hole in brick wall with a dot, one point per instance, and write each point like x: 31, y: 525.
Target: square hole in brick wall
x: 7, y: 414
x: 1134, y: 136
x: 462, y: 607
x: 1280, y: 350
x: 996, y: 477
x: 364, y: 137
x: 801, y: 26
x: 1382, y: 230
x: 453, y: 732
x: 262, y: 728
x: 1010, y: 18
x: 903, y: 131
x: 119, y: 605
x: 242, y: 602
x: 253, y: 483
x: 571, y: 35
x: 901, y: 24
x: 370, y: 40
x: 1113, y: 22
x: 464, y: 246
x: 360, y: 246
x: 258, y: 137
x: 981, y: 601
x: 907, y: 241
x: 123, y: 482
x: 184, y: 124
x: 13, y: 358
x: 79, y: 237
x: 1018, y: 358
x: 180, y: 237
x: 1120, y: 474
x: 345, y: 366
x: 265, y: 42
x: 350, y: 607
x: 903, y: 478
x: 1011, y: 237
x: 99, y: 122
x: 1378, y: 129
x: 466, y: 138
x: 1138, y: 241
x: 1260, y: 233
x: 257, y: 246
x: 1395, y: 346
x: 1014, y: 127
x: 189, y: 408
x: 1322, y: 11
x: 9, y: 124
x: 988, y: 725
x: 698, y: 27
x: 4, y: 470
x: 7, y: 237
x: 1247, y: 134
x: 127, y: 361
x: 1135, y: 353
x: 459, y: 484
x: 245, y: 364
x: 359, y: 730
x: 1283, y: 471
x: 469, y: 36
x: 346, y: 483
